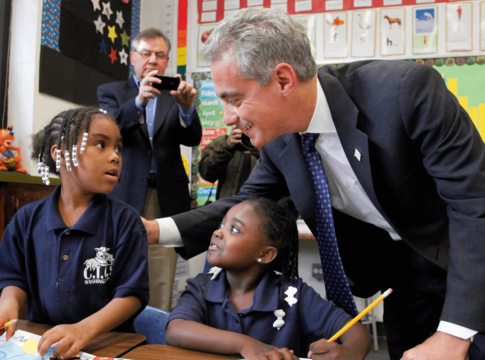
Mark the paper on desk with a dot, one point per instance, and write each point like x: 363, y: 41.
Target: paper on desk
x: 23, y: 346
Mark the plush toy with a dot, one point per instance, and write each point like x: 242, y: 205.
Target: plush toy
x: 8, y: 161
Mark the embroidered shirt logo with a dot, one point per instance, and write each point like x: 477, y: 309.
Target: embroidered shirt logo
x: 98, y: 270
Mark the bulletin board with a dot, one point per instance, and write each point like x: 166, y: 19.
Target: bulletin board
x: 85, y: 44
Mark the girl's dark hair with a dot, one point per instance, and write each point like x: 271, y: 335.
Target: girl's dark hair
x: 279, y: 225
x: 63, y: 129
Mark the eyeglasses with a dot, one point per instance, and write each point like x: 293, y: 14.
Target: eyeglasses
x: 146, y: 54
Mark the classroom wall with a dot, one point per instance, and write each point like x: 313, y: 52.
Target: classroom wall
x: 28, y: 109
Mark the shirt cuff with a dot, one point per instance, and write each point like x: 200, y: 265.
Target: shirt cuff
x: 186, y: 115
x: 138, y: 106
x: 456, y: 330
x: 171, y: 235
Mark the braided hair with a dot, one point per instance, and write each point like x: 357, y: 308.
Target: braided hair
x: 63, y: 129
x: 279, y: 226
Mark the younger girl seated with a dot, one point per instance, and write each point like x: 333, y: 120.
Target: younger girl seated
x: 79, y: 256
x: 246, y: 308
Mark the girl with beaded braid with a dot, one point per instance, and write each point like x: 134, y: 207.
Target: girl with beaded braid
x: 253, y: 303
x: 78, y: 256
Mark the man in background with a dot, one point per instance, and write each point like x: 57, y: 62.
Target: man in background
x: 229, y: 161
x: 154, y: 123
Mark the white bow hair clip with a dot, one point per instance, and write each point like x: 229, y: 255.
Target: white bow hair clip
x: 215, y: 271
x: 279, y: 322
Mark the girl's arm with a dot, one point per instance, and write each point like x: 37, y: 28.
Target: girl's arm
x: 11, y: 301
x: 196, y: 336
x: 355, y: 345
x: 72, y: 338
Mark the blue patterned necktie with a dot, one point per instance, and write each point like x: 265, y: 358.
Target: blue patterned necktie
x: 336, y: 285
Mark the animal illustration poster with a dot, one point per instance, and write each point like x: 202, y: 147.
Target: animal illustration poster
x: 204, y: 33
x: 23, y: 346
x: 393, y: 38
x: 363, y: 34
x: 425, y: 30
x: 335, y: 35
x: 308, y: 21
x: 459, y: 26
x: 482, y: 26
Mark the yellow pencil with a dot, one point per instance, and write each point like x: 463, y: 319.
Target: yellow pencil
x: 8, y: 323
x: 358, y: 317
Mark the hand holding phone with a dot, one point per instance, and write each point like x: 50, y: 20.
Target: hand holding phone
x: 168, y: 83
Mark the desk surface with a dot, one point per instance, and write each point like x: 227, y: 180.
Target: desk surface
x: 150, y: 352
x: 110, y: 344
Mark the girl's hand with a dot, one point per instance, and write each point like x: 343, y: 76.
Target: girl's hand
x: 322, y: 349
x: 71, y: 339
x: 5, y: 316
x: 257, y: 350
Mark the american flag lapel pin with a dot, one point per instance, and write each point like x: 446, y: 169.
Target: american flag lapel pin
x: 358, y: 155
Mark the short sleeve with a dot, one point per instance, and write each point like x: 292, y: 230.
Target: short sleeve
x: 192, y: 305
x: 12, y: 267
x: 130, y: 265
x: 320, y: 319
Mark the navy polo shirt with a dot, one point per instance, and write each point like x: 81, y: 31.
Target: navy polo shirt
x: 310, y: 319
x: 69, y: 273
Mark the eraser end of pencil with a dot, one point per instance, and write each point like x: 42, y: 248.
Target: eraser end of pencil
x: 387, y: 293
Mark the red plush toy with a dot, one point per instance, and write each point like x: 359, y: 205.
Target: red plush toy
x: 8, y: 161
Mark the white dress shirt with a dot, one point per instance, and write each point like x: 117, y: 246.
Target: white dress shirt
x: 346, y: 192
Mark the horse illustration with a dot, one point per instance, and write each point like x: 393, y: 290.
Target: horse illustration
x: 393, y: 20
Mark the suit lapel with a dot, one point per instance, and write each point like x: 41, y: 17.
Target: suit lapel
x: 298, y: 179
x: 345, y: 117
x: 164, y: 103
x: 132, y: 92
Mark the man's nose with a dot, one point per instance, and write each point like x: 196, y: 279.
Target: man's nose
x: 230, y: 116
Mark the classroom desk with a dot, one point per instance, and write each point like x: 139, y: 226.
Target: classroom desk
x: 150, y: 352
x: 110, y: 344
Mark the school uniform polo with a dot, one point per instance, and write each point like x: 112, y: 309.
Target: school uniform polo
x: 69, y: 273
x: 310, y: 319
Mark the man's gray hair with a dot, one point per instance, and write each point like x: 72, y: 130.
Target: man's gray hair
x: 260, y: 39
x: 150, y: 33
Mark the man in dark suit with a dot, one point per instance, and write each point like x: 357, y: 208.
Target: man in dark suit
x: 153, y: 124
x: 405, y: 169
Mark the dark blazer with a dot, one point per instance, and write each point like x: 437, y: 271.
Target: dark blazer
x: 423, y: 167
x: 118, y: 98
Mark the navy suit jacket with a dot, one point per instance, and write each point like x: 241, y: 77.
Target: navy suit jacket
x: 118, y: 98
x: 422, y: 166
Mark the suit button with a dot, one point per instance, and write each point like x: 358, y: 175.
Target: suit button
x: 149, y: 153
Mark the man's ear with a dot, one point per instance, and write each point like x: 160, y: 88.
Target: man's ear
x: 286, y: 78
x: 268, y: 254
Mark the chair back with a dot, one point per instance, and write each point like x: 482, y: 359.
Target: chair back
x: 152, y: 323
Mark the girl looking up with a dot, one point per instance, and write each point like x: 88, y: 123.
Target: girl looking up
x: 79, y: 256
x: 245, y: 307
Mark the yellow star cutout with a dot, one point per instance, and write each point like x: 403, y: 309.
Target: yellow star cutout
x: 112, y: 33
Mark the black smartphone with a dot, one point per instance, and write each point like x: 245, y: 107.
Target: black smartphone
x: 168, y: 83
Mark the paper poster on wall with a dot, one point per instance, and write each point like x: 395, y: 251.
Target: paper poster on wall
x: 204, y: 33
x: 363, y: 34
x: 482, y: 26
x: 459, y: 26
x: 425, y: 30
x: 335, y: 35
x: 308, y: 21
x: 393, y: 23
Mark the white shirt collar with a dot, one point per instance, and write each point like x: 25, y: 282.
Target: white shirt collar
x: 321, y: 122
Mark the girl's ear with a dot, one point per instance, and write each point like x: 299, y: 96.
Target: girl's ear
x: 268, y: 254
x: 54, y: 155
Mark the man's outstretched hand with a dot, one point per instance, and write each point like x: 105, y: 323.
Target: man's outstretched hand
x: 153, y: 230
